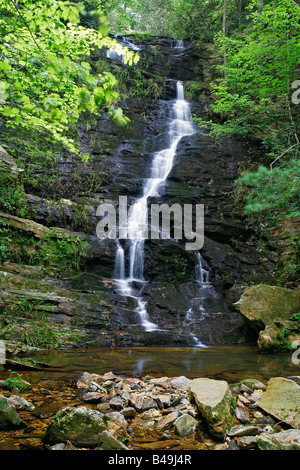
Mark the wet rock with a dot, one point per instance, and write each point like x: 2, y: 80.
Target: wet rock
x: 118, y: 417
x: 263, y: 305
x: 167, y: 421
x: 221, y: 447
x: 295, y: 378
x: 110, y: 376
x: 60, y: 446
x: 254, y: 384
x: 80, y: 425
x: 85, y: 379
x: 9, y: 417
x: 128, y: 412
x: 104, y: 407
x: 241, y: 430
x: 109, y: 442
x: 282, y: 400
x: 244, y: 388
x: 20, y: 403
x: 185, y: 425
x: 141, y: 402
x: 213, y: 399
x: 181, y: 383
x: 242, y: 414
x: 247, y: 442
x: 116, y: 403
x: 92, y: 397
x: 285, y: 440
x: 162, y: 400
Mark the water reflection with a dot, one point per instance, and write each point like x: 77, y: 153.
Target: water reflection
x: 231, y: 363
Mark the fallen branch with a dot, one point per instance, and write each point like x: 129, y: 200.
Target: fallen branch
x: 277, y: 158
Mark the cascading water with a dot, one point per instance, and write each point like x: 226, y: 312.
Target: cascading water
x: 137, y: 224
x: 116, y: 55
x: 205, y: 289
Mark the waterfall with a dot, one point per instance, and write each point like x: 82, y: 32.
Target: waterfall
x: 114, y: 54
x: 178, y: 44
x: 201, y: 274
x: 204, y: 288
x: 137, y: 225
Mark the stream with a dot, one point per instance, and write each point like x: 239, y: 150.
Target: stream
x: 229, y: 362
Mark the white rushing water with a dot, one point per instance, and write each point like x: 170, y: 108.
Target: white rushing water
x: 114, y: 54
x: 205, y: 289
x: 137, y: 225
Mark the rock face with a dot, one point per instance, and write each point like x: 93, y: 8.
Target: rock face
x: 270, y: 310
x: 203, y: 173
x: 214, y: 400
x: 282, y: 400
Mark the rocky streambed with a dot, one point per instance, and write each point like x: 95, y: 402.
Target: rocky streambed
x: 110, y: 412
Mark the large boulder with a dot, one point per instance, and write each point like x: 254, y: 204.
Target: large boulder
x: 214, y: 400
x: 271, y: 311
x: 83, y: 427
x: 262, y: 304
x: 282, y: 400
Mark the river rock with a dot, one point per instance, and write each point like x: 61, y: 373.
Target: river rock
x: 9, y: 417
x: 92, y: 397
x: 116, y: 403
x: 284, y: 440
x: 81, y: 426
x: 185, y: 425
x: 166, y: 421
x: 20, y: 403
x: 242, y: 414
x: 182, y: 383
x: 109, y: 442
x: 282, y: 400
x: 129, y: 412
x: 142, y: 402
x: 241, y: 430
x: 247, y: 442
x: 118, y: 417
x: 253, y: 384
x: 213, y: 399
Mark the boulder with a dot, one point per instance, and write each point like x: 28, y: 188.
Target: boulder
x: 82, y: 427
x: 214, y: 400
x: 262, y: 305
x: 284, y: 440
x: 282, y: 400
x: 270, y: 310
x: 9, y: 417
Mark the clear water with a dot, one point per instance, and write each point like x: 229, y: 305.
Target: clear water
x: 228, y: 362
